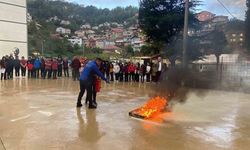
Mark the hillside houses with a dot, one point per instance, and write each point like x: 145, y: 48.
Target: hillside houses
x: 62, y: 30
x: 104, y: 36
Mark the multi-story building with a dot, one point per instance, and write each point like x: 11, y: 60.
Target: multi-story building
x: 76, y: 41
x: 235, y: 38
x: 13, y: 27
x: 62, y: 30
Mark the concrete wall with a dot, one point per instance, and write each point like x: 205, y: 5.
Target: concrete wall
x: 13, y: 27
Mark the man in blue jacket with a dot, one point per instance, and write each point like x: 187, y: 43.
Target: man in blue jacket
x: 87, y: 80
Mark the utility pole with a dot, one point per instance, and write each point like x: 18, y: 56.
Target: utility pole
x: 43, y: 47
x: 185, y: 34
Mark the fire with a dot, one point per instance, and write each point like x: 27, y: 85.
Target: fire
x: 152, y: 108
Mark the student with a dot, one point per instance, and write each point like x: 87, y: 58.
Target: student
x: 126, y: 72
x: 48, y: 68
x: 142, y: 72
x: 154, y: 72
x: 148, y: 71
x: 23, y: 64
x: 17, y: 66
x: 121, y: 72
x: 60, y: 66
x: 43, y: 67
x: 37, y: 66
x: 54, y: 68
x: 111, y: 72
x: 30, y: 68
x: 116, y: 71
x: 75, y: 68
x: 3, y: 68
x: 66, y: 67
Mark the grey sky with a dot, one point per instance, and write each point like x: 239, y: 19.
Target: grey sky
x: 236, y: 7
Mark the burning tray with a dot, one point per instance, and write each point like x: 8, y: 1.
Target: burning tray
x: 152, y: 108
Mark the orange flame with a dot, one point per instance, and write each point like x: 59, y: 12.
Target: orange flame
x: 152, y: 108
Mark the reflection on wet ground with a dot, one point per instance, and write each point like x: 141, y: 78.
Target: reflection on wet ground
x: 41, y: 114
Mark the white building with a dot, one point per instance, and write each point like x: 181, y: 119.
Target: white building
x: 86, y: 26
x: 75, y: 41
x: 65, y: 22
x: 62, y: 30
x: 13, y: 27
x: 80, y: 33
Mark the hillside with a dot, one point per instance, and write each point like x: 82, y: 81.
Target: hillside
x: 48, y: 15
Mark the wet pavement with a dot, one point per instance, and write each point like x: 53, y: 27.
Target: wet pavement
x: 41, y: 115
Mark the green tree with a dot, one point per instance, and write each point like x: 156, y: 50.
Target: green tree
x: 218, y: 44
x: 247, y: 24
x: 174, y: 50
x: 161, y: 20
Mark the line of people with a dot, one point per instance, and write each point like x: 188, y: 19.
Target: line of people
x: 34, y: 67
x: 54, y: 67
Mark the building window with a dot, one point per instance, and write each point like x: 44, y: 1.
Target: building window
x: 234, y: 35
x: 241, y: 35
x: 241, y: 39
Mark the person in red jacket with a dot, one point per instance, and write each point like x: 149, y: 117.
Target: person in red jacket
x: 75, y: 68
x: 23, y: 64
x: 54, y: 68
x: 30, y: 67
x: 48, y: 69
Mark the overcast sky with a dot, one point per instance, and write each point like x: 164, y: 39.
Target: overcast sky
x: 236, y: 7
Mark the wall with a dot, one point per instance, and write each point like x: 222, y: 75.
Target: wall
x: 13, y: 27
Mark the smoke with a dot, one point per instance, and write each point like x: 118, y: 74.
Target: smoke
x: 176, y: 84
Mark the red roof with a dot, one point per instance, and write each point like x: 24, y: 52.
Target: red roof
x: 117, y: 30
x: 110, y: 47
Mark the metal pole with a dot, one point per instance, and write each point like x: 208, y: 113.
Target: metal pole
x: 42, y: 47
x: 185, y: 34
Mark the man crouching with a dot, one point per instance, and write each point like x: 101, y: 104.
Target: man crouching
x: 87, y: 80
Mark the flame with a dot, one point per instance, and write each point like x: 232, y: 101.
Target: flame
x: 152, y: 108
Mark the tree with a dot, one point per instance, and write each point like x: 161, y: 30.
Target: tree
x: 173, y: 50
x: 247, y: 24
x: 128, y: 51
x: 161, y: 20
x: 218, y: 44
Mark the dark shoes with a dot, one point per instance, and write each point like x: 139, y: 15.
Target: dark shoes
x: 92, y: 106
x: 78, y: 105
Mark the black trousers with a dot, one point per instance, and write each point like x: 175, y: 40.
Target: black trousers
x: 142, y: 77
x: 3, y: 76
x: 54, y: 74
x: 23, y: 71
x: 148, y: 77
x: 47, y: 72
x: 59, y: 73
x: 121, y: 77
x: 75, y: 74
x: 111, y: 76
x: 132, y: 76
x: 117, y: 76
x: 126, y: 77
x: 66, y: 72
x: 158, y: 75
x: 93, y: 95
x: 36, y: 73
x: 17, y: 71
x: 29, y: 73
x: 85, y: 85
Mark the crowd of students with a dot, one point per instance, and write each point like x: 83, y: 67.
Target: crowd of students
x: 54, y: 67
